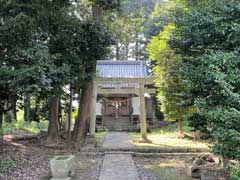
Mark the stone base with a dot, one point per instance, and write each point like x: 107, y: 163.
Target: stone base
x: 62, y: 167
x: 61, y: 178
x: 193, y: 171
x: 144, y: 140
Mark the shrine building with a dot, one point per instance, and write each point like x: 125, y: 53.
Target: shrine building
x: 121, y: 98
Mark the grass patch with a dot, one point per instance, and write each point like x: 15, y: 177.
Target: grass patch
x: 168, y: 137
x: 31, y: 127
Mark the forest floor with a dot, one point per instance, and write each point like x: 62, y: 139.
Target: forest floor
x: 28, y: 159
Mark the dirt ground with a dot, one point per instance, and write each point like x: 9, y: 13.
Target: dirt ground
x: 171, y: 168
x: 28, y: 160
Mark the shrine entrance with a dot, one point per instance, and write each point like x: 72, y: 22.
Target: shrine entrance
x: 116, y: 113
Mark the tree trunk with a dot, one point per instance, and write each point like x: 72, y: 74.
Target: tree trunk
x: 180, y: 126
x: 136, y: 47
x: 81, y: 124
x: 85, y: 115
x: 76, y: 129
x: 14, y: 108
x: 1, y: 125
x: 117, y: 51
x: 8, y: 116
x: 53, y: 120
x: 37, y: 109
x: 27, y: 108
x: 60, y: 118
x: 1, y: 119
x: 70, y: 113
x: 96, y: 11
x: 127, y: 51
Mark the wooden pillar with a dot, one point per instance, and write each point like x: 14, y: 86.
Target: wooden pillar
x: 93, y: 110
x: 143, y: 118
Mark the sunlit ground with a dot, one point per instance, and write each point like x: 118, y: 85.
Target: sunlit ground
x: 167, y: 170
x: 167, y: 138
x: 164, y: 168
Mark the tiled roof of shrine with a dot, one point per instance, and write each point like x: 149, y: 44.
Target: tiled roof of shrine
x: 122, y: 69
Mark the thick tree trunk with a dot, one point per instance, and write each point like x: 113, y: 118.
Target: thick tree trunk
x: 77, y: 124
x: 53, y: 120
x: 81, y: 124
x: 85, y: 115
x: 27, y: 108
x: 180, y: 126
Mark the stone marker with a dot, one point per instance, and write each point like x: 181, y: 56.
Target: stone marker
x: 206, y: 175
x: 62, y: 167
x: 193, y: 171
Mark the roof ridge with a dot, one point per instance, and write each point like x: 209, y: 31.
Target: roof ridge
x: 127, y: 62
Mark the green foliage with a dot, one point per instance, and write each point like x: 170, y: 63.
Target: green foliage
x: 159, y: 18
x: 107, y: 4
x: 128, y: 27
x: 235, y: 172
x: 207, y: 37
x: 198, y: 121
x: 44, y: 46
x: 169, y: 81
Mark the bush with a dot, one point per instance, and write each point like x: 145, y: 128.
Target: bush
x: 235, y: 172
x: 198, y: 122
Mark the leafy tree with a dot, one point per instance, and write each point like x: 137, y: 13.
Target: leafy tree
x: 207, y: 37
x: 127, y: 27
x: 169, y: 80
x: 50, y: 47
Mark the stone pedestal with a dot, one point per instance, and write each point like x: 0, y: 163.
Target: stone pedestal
x: 193, y: 171
x: 62, y: 167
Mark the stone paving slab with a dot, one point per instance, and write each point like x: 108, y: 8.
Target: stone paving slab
x: 118, y: 167
x: 117, y: 140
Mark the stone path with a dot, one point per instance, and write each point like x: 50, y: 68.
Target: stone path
x: 118, y: 166
x: 117, y: 141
